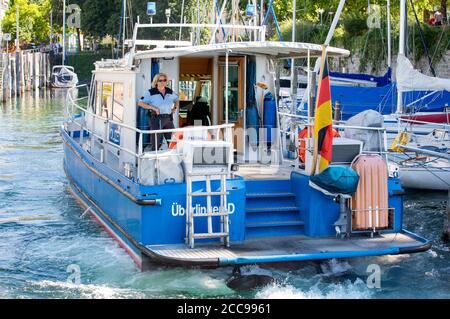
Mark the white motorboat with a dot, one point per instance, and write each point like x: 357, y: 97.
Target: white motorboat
x: 63, y: 76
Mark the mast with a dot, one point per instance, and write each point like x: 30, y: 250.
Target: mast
x: 389, y: 57
x: 327, y: 42
x: 401, y: 48
x: 51, y: 27
x: 261, y: 12
x: 182, y: 17
x: 64, y: 34
x: 124, y: 19
x: 293, y: 77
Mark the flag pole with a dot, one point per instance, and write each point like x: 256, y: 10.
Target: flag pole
x: 316, y: 140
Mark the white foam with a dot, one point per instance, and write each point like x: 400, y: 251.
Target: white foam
x: 345, y: 290
x: 90, y: 290
x: 432, y: 273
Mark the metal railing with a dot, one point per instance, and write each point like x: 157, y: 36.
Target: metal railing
x: 259, y: 33
x: 215, y: 132
x: 305, y: 121
x: 412, y: 122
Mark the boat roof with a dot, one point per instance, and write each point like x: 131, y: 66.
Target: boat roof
x: 278, y: 50
x: 68, y: 67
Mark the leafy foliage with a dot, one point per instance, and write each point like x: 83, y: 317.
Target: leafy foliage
x: 34, y: 21
x: 100, y: 18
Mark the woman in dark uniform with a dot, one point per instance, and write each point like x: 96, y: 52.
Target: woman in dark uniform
x: 162, y: 102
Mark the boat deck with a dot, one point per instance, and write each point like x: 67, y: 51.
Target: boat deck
x: 291, y: 248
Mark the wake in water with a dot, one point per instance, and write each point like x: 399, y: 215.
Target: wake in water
x: 344, y: 290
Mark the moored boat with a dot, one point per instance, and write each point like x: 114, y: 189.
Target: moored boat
x: 63, y: 76
x: 422, y: 162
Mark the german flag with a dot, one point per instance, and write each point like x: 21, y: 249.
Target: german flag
x: 323, y: 122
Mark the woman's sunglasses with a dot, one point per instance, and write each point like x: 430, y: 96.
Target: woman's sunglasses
x: 165, y: 80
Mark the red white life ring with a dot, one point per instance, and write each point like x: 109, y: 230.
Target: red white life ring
x: 302, y: 135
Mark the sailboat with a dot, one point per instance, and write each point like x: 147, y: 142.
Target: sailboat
x: 359, y: 92
x: 425, y: 163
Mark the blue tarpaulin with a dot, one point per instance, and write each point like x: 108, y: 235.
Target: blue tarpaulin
x: 337, y: 180
x: 379, y: 80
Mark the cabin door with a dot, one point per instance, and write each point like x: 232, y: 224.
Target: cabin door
x: 236, y: 97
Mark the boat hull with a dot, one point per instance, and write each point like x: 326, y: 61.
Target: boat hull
x: 145, y: 230
x: 425, y: 178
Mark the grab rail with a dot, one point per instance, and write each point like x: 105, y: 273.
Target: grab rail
x: 444, y: 125
x: 383, y: 130
x: 260, y: 30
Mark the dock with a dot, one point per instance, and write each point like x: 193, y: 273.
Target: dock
x: 26, y: 70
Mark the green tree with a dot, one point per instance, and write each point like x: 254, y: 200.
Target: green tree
x: 34, y: 21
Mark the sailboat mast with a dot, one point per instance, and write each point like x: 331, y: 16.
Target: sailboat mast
x: 124, y: 19
x: 293, y: 77
x: 51, y: 27
x: 401, y: 48
x: 389, y: 48
x: 64, y: 34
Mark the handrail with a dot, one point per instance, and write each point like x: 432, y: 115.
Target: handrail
x: 382, y: 130
x: 338, y: 125
x: 136, y: 130
x: 200, y: 25
x: 135, y: 41
x: 423, y: 122
x: 71, y: 101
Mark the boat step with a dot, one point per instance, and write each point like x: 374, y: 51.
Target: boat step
x: 269, y: 195
x: 212, y: 235
x: 276, y: 223
x: 273, y: 209
x: 268, y: 186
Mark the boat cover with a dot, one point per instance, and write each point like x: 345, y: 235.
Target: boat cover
x: 372, y: 140
x: 337, y: 180
x: 379, y: 80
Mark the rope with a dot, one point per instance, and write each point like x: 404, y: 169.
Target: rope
x: 440, y: 39
x: 220, y: 20
x: 270, y: 9
x: 422, y: 37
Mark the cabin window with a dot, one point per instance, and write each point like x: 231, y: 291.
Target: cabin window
x: 98, y: 98
x: 107, y: 90
x: 187, y: 90
x: 233, y: 93
x: 118, y: 102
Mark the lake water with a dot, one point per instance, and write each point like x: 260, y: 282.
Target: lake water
x: 43, y: 236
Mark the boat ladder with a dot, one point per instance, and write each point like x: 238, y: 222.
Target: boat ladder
x: 223, y: 212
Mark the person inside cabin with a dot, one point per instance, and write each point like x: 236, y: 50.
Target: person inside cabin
x: 162, y: 102
x: 199, y: 112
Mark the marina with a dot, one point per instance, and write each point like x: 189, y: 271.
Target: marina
x: 43, y: 233
x: 185, y: 168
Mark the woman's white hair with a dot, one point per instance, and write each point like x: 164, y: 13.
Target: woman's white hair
x: 156, y: 79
